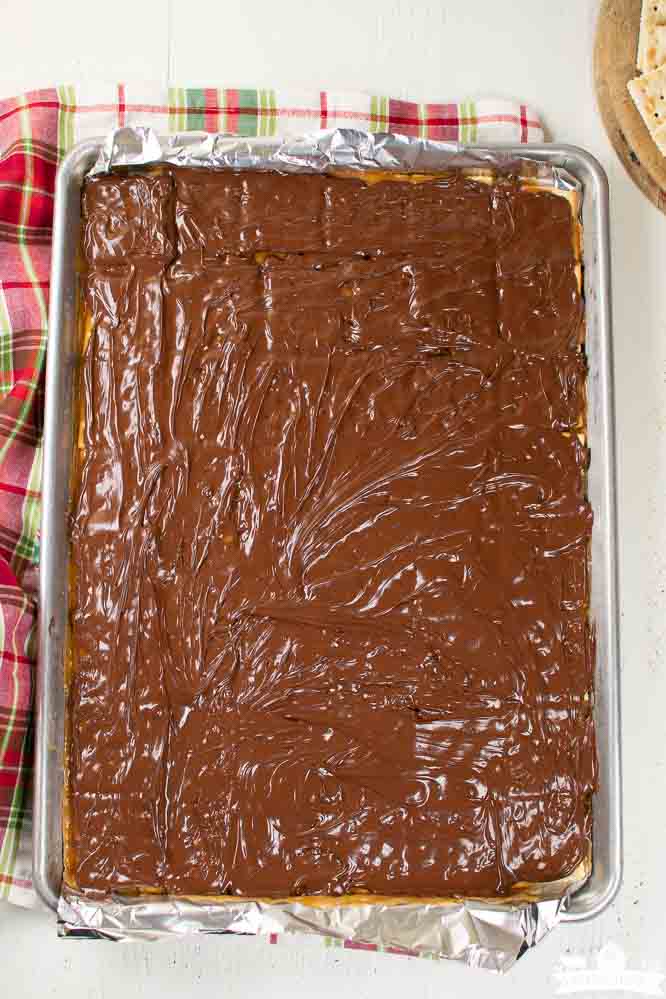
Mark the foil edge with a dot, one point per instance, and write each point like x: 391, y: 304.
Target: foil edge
x: 317, y: 152
x: 475, y: 934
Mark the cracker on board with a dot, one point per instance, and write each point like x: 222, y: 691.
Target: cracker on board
x: 652, y: 38
x: 660, y: 139
x: 648, y: 93
x: 656, y: 48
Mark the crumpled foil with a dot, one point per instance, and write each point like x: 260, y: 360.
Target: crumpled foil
x: 480, y: 934
x: 477, y: 934
x: 318, y: 152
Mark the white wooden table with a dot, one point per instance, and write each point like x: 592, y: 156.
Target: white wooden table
x: 427, y: 49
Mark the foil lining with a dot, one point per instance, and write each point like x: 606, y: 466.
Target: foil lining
x: 478, y: 934
x: 318, y: 152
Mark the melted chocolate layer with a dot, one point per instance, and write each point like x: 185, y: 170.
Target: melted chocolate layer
x: 330, y: 539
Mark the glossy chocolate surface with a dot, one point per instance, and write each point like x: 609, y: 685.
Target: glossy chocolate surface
x: 330, y: 539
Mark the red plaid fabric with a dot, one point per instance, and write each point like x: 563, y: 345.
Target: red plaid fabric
x: 36, y: 130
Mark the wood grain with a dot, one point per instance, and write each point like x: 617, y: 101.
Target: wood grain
x: 614, y: 65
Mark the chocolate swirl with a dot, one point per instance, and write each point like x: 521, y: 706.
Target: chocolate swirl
x: 330, y: 539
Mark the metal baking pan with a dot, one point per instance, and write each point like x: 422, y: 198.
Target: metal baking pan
x: 605, y: 879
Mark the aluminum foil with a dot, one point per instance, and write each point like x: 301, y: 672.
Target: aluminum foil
x: 476, y: 934
x: 479, y: 934
x: 318, y: 152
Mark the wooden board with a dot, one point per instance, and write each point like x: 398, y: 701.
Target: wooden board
x: 614, y: 65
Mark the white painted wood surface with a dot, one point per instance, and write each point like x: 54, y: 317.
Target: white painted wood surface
x: 538, y: 50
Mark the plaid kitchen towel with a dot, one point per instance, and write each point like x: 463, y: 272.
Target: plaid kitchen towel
x: 36, y: 130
